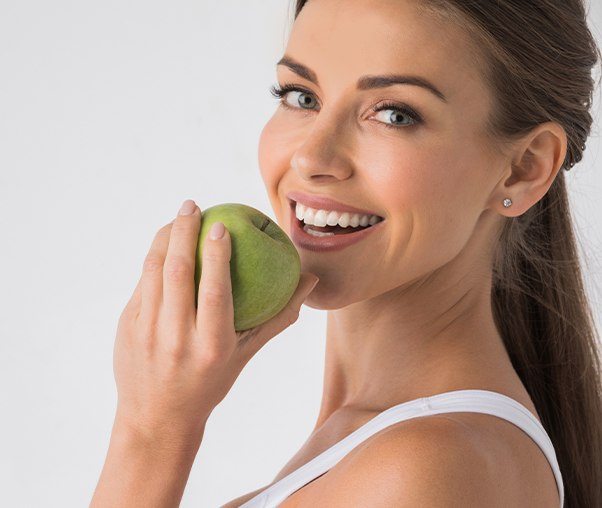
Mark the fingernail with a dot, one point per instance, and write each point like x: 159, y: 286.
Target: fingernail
x: 187, y: 207
x: 217, y: 231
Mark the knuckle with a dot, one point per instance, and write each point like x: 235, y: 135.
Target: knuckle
x: 180, y: 226
x: 152, y: 263
x: 175, y: 330
x: 145, y: 341
x: 212, y: 255
x: 146, y: 330
x: 178, y: 269
x: 148, y: 345
x: 211, y: 357
x: 175, y: 351
x: 164, y: 231
x: 175, y: 341
x: 214, y: 296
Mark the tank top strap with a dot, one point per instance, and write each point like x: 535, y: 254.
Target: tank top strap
x: 479, y: 401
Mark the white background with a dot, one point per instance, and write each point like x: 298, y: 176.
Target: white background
x: 111, y: 114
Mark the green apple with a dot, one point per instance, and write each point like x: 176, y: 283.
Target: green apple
x: 264, y: 266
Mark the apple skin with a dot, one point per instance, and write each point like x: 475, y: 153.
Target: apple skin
x: 265, y: 266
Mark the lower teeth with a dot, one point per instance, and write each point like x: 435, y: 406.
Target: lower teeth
x: 313, y: 232
x: 316, y: 230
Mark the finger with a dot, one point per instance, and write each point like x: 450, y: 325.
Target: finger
x: 215, y: 313
x: 253, y: 340
x: 132, y: 307
x: 178, y: 269
x: 151, y: 281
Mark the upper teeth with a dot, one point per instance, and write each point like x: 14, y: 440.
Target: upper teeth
x: 332, y: 218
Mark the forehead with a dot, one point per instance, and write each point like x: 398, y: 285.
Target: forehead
x: 343, y: 39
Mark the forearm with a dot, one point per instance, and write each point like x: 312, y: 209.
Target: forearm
x: 138, y: 473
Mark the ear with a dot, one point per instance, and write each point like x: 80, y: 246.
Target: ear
x: 535, y: 163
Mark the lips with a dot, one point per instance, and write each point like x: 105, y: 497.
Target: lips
x: 325, y: 203
x: 305, y: 241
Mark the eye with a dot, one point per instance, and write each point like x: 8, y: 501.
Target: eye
x: 304, y: 100
x: 301, y: 98
x: 399, y: 112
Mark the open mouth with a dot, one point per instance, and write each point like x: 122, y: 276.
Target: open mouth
x: 329, y: 230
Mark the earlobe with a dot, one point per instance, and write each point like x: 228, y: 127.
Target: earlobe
x: 538, y: 159
x: 506, y: 198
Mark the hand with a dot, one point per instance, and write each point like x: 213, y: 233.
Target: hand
x: 173, y: 363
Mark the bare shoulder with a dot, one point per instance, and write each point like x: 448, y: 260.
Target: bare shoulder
x: 235, y: 503
x: 430, y: 461
x: 433, y: 461
x: 421, y: 462
x: 460, y: 459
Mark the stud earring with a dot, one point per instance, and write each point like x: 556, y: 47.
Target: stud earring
x: 507, y: 202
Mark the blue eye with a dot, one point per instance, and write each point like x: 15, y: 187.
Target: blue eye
x: 302, y: 99
x: 399, y: 111
x: 305, y: 100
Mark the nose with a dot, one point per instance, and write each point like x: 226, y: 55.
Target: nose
x: 325, y: 153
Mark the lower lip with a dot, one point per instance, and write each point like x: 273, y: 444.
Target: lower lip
x: 327, y: 243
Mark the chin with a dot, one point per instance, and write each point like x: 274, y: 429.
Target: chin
x: 320, y: 300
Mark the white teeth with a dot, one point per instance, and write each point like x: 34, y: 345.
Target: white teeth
x: 344, y: 220
x: 332, y: 219
x: 322, y: 218
x: 308, y: 216
x: 313, y: 232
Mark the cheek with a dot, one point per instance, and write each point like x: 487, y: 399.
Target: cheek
x: 268, y: 155
x: 445, y: 209
x: 405, y: 174
x: 276, y: 145
x: 275, y: 149
x: 431, y: 195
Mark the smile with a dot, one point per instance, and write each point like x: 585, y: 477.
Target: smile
x: 306, y: 235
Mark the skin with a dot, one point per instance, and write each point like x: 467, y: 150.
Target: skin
x: 409, y: 311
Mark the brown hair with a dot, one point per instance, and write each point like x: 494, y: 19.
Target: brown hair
x: 537, y: 58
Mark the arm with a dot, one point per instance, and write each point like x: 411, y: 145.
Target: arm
x: 175, y: 360
x: 141, y: 472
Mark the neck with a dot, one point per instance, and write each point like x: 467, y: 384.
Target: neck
x: 434, y: 336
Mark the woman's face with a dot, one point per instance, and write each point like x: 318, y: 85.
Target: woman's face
x: 430, y: 177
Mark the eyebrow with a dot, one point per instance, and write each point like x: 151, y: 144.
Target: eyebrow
x: 365, y: 82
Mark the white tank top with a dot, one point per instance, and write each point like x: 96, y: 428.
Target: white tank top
x: 478, y: 401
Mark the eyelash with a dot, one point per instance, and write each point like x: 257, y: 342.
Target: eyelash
x: 280, y: 92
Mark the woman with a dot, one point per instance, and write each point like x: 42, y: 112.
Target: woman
x: 461, y: 362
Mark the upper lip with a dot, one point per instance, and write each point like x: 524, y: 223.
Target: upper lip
x: 324, y: 203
